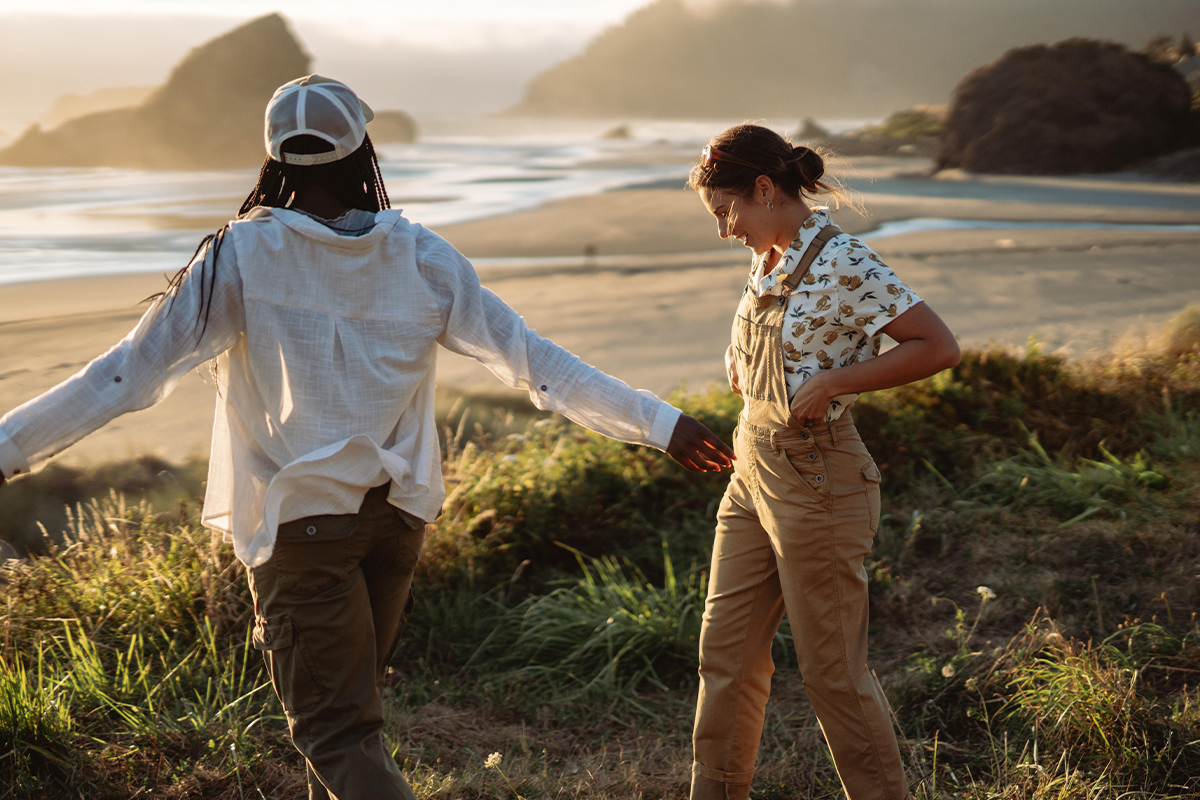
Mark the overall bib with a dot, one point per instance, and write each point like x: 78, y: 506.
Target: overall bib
x: 796, y: 521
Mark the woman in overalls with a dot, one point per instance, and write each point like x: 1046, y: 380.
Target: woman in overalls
x: 324, y: 309
x: 802, y: 506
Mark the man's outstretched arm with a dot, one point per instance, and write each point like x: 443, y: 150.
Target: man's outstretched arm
x: 479, y: 324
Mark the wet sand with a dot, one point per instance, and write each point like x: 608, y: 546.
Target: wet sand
x: 653, y: 305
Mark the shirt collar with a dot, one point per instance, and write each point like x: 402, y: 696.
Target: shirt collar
x: 808, y: 231
x: 787, y: 262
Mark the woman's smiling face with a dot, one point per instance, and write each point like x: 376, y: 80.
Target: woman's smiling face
x: 741, y: 218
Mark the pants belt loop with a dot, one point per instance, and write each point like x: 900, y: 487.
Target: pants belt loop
x: 833, y: 432
x: 775, y: 441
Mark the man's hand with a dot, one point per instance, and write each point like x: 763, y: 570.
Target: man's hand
x: 697, y: 448
x: 731, y: 372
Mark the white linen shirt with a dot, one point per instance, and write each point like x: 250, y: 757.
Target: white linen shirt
x: 835, y: 315
x: 325, y: 388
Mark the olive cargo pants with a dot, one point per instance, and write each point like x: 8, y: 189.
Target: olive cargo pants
x: 330, y: 606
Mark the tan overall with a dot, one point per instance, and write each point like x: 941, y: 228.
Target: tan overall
x: 797, y: 520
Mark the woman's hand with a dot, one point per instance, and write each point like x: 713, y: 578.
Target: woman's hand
x: 811, y: 401
x: 697, y: 448
x: 925, y: 346
x: 731, y: 372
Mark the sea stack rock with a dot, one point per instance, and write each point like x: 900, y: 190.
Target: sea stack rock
x: 1078, y: 106
x: 209, y: 114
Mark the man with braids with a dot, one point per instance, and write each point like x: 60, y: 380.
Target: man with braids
x: 323, y: 308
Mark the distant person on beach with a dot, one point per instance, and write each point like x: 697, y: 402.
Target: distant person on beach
x: 324, y: 309
x: 802, y: 505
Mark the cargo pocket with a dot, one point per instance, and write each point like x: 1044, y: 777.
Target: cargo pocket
x: 315, y: 554
x: 289, y: 663
x: 870, y: 474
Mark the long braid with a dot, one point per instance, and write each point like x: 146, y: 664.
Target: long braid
x: 381, y: 194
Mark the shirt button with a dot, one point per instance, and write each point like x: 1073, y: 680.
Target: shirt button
x: 311, y: 530
x: 804, y: 435
x: 812, y: 456
x: 117, y: 379
x: 819, y: 479
x: 543, y: 387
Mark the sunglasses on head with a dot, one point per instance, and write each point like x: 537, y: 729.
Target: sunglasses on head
x: 711, y: 154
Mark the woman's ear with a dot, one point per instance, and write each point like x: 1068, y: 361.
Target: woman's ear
x: 764, y: 189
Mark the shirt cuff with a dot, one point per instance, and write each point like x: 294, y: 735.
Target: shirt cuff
x: 663, y: 426
x: 12, y: 461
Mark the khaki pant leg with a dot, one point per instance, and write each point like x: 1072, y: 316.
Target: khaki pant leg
x: 824, y: 527
x: 314, y: 623
x: 741, y: 616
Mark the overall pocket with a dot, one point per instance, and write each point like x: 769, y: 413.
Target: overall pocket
x: 759, y: 350
x: 808, y: 467
x: 871, y: 479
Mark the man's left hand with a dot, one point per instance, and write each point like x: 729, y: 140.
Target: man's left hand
x: 697, y: 448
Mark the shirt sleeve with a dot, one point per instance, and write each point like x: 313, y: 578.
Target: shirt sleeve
x: 869, y: 293
x: 180, y: 331
x: 479, y: 324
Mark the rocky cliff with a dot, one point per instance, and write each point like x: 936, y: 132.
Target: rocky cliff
x: 1073, y: 107
x: 818, y: 58
x: 208, y: 115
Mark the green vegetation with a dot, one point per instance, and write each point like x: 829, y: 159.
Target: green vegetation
x: 1034, y: 596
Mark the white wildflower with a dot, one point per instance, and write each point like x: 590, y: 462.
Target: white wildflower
x: 985, y: 592
x: 493, y: 761
x: 947, y: 671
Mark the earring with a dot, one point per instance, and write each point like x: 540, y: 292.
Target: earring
x: 769, y: 209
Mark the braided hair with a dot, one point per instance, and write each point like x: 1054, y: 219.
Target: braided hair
x: 754, y: 150
x: 354, y: 180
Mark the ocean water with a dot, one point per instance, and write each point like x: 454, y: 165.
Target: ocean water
x: 69, y: 222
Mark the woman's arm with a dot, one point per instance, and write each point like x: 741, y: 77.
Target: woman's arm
x: 925, y: 347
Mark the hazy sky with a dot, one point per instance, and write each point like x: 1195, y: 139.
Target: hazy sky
x: 390, y: 16
x: 435, y: 58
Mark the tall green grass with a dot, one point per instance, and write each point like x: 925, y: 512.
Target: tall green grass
x: 561, y: 593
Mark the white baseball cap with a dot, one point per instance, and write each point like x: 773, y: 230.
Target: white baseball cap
x: 317, y: 106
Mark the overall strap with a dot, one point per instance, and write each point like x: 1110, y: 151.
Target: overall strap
x: 810, y: 255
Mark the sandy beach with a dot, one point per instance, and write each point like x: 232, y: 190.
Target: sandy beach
x: 653, y: 305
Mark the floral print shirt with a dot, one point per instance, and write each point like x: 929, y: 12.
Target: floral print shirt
x: 834, y: 316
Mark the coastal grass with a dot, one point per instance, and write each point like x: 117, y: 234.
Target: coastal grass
x: 1033, y: 585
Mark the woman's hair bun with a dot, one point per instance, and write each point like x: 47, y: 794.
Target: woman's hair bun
x: 810, y: 165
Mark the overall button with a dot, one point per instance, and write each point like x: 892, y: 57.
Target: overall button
x: 311, y: 530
